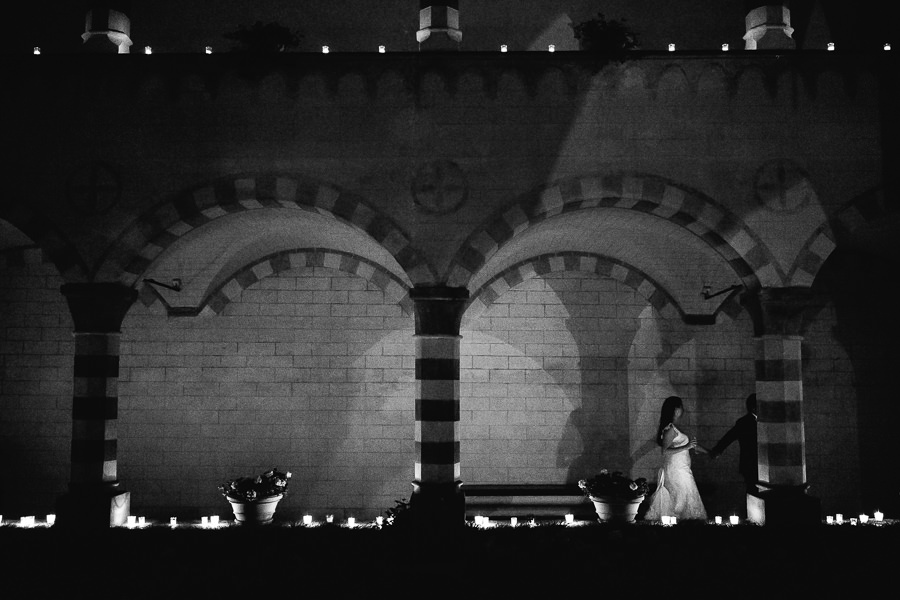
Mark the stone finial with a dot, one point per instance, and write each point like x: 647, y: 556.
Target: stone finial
x: 106, y: 30
x: 769, y: 28
x: 439, y: 25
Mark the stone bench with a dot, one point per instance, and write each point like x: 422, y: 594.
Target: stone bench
x: 526, y: 501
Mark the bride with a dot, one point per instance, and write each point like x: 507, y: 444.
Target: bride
x: 676, y: 493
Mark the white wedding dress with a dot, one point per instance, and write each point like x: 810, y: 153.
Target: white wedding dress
x: 676, y: 493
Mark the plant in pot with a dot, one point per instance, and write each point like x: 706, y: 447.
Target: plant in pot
x: 616, y: 497
x: 254, y: 499
x: 608, y: 37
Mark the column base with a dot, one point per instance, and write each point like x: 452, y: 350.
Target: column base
x: 93, y: 508
x: 783, y: 507
x: 438, y: 507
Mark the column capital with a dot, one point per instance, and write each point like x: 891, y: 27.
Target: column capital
x: 439, y: 309
x: 98, y: 307
x: 779, y: 311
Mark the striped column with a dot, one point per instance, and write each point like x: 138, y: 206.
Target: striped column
x: 779, y: 396
x: 781, y: 442
x: 95, y: 495
x: 437, y: 499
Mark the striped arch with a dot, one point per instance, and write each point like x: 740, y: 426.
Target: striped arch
x: 722, y: 231
x: 868, y: 208
x: 53, y: 245
x: 582, y: 262
x: 147, y: 238
x: 865, y: 209
x: 216, y: 301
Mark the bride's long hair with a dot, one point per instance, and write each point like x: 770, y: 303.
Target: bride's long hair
x: 666, y: 414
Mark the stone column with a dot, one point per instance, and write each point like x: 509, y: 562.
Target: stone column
x: 95, y: 497
x: 781, y: 444
x: 768, y: 26
x: 439, y: 25
x: 106, y: 30
x: 437, y: 501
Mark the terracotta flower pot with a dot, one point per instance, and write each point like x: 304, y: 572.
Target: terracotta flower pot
x: 616, y: 510
x: 258, y: 512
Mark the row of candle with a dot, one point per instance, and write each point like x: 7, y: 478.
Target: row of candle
x: 838, y: 519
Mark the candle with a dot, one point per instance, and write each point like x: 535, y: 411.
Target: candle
x: 329, y: 519
x: 718, y: 520
x: 666, y: 520
x: 173, y: 522
x: 570, y: 518
x: 479, y: 520
x: 307, y: 519
x: 351, y: 522
x: 674, y: 520
x: 486, y: 522
x: 532, y: 523
x: 204, y: 521
x: 26, y: 522
x: 839, y: 518
x: 513, y: 521
x: 863, y: 518
x: 879, y: 516
x: 829, y: 519
x: 51, y: 519
x: 214, y: 520
x: 379, y: 521
x: 131, y: 521
x: 853, y: 520
x: 734, y: 519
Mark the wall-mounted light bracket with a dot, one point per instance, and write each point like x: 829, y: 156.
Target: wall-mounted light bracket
x: 707, y: 294
x: 175, y: 286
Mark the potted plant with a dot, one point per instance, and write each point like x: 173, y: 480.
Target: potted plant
x: 616, y: 498
x: 608, y: 37
x: 254, y: 499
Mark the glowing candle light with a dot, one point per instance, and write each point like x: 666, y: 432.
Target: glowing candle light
x: 724, y: 47
x: 208, y: 50
x: 718, y: 520
x: 502, y: 47
x: 148, y: 50
x: 329, y: 519
x: 204, y: 521
x: 532, y: 523
x: 879, y: 516
x: 839, y: 518
x: 307, y: 520
x: 513, y: 521
x: 486, y: 522
x: 671, y: 47
x: 829, y: 519
x: 214, y: 520
x: 381, y: 49
x: 325, y: 49
x: 351, y: 522
x: 37, y: 49
x: 863, y: 518
x: 379, y: 521
x: 887, y: 46
x: 830, y: 46
x: 673, y: 521
x: 26, y: 522
x: 570, y: 518
x: 853, y: 520
x: 173, y: 522
x: 666, y: 520
x: 735, y: 519
x: 51, y: 519
x: 479, y: 520
x: 551, y: 48
x: 142, y: 521
x: 131, y: 521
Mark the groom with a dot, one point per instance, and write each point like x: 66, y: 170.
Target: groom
x: 744, y: 431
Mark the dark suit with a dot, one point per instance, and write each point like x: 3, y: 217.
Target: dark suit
x: 744, y: 431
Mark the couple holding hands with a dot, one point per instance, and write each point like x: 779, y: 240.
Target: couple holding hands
x: 676, y: 492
